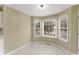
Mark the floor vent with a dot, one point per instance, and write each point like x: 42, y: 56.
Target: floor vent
x: 48, y: 44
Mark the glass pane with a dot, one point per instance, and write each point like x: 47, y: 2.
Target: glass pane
x: 46, y: 28
x: 37, y: 31
x: 63, y: 24
x: 38, y: 25
x: 50, y: 28
x: 64, y: 33
x: 46, y: 31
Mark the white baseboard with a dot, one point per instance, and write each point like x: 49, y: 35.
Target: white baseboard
x: 18, y: 48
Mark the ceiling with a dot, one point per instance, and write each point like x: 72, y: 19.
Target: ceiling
x: 36, y: 10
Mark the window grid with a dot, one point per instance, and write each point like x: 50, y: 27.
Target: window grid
x: 46, y: 28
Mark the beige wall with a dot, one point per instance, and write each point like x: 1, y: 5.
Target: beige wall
x: 74, y: 29
x: 72, y: 42
x: 17, y: 29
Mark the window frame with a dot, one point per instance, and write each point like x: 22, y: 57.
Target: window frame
x: 34, y: 26
x: 59, y: 27
x: 42, y: 28
x: 53, y: 20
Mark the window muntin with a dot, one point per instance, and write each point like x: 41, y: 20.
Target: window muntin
x: 50, y: 28
x: 46, y: 28
x: 63, y: 28
x: 37, y: 28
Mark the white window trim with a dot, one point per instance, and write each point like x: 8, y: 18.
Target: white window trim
x: 56, y: 29
x: 42, y: 29
x: 59, y: 35
x: 35, y: 28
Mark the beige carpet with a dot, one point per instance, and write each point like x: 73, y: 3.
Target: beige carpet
x: 41, y: 49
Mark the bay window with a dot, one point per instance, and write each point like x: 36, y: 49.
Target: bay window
x: 46, y: 28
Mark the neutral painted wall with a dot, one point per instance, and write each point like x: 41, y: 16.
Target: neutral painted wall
x: 17, y: 28
x: 74, y: 29
x: 78, y: 28
x: 71, y: 45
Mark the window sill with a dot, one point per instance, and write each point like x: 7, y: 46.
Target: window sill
x: 44, y: 36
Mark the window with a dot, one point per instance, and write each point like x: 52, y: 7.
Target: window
x: 63, y: 28
x: 47, y: 28
x: 37, y: 28
x: 50, y: 28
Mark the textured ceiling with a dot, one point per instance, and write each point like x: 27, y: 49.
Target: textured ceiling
x: 36, y: 10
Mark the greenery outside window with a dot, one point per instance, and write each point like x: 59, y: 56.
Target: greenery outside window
x: 46, y: 28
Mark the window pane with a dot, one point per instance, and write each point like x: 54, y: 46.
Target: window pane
x: 64, y: 33
x: 50, y: 28
x: 37, y: 31
x: 38, y: 25
x: 64, y: 24
x: 37, y: 28
x: 46, y: 28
